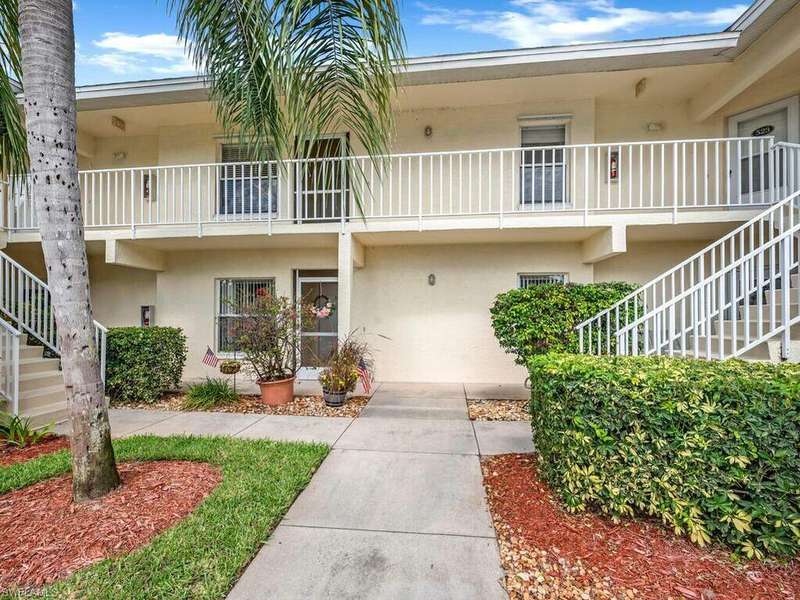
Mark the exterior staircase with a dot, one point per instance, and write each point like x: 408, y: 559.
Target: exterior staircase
x: 31, y: 381
x: 41, y: 386
x: 737, y: 298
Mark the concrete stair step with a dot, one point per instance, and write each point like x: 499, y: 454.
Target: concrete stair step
x: 46, y: 414
x: 765, y: 313
x: 33, y: 381
x: 37, y: 365
x: 740, y: 327
x: 794, y: 296
x: 26, y: 351
x: 31, y: 400
x: 760, y: 352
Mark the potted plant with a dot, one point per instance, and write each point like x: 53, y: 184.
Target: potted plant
x: 268, y: 336
x: 230, y: 367
x: 341, y: 372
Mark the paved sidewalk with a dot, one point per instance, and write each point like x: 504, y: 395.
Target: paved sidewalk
x: 397, y: 510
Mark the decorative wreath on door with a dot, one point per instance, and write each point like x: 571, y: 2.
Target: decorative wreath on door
x: 322, y: 307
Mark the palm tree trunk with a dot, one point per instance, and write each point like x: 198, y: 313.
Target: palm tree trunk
x: 48, y: 76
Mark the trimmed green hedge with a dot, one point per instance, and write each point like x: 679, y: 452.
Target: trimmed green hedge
x: 143, y: 362
x: 542, y: 318
x: 711, y: 448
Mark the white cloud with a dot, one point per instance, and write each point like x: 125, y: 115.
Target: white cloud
x: 136, y: 55
x: 553, y: 22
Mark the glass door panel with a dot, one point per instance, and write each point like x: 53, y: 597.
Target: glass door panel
x: 318, y: 336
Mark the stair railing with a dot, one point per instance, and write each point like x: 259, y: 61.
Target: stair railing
x: 9, y: 365
x: 599, y: 334
x: 738, y: 307
x: 26, y: 301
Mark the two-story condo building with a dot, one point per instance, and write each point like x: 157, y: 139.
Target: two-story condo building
x: 585, y: 163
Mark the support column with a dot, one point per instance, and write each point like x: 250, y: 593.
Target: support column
x: 351, y: 255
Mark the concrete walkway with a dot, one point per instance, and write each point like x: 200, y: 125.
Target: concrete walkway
x: 397, y: 510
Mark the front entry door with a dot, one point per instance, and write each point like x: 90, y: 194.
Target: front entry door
x: 319, y: 337
x: 752, y: 172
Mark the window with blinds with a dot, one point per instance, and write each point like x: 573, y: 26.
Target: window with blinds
x: 232, y: 296
x: 527, y: 280
x: 543, y: 168
x: 246, y: 187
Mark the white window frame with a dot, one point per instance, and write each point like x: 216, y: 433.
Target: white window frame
x: 222, y: 176
x: 521, y: 276
x: 528, y: 122
x: 270, y: 280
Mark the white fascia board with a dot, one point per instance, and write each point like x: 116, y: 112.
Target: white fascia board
x: 707, y: 42
x: 478, y: 65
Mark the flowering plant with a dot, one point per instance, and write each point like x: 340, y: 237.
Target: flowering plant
x: 341, y: 369
x: 268, y: 336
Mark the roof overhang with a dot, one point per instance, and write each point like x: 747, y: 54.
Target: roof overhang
x: 501, y: 64
x: 579, y: 58
x: 759, y: 16
x: 451, y: 68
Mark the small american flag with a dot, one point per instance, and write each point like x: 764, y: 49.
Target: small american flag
x: 363, y: 375
x: 210, y: 358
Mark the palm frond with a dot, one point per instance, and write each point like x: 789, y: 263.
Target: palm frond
x: 285, y: 71
x: 13, y: 144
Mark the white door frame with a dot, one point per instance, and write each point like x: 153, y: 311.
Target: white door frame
x: 300, y: 191
x: 792, y: 106
x: 312, y: 373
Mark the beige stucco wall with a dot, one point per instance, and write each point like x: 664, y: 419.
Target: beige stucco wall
x: 186, y: 289
x: 443, y: 332
x: 119, y: 292
x: 645, y: 260
x: 418, y: 332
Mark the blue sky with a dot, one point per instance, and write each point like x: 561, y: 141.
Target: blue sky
x: 122, y: 41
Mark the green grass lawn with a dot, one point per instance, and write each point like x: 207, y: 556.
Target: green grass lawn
x: 203, y: 555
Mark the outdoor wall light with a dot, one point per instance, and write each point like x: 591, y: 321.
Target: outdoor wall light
x: 428, y: 131
x: 431, y: 279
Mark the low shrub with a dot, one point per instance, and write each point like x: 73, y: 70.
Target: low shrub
x: 18, y: 431
x: 711, y: 448
x: 542, y: 318
x: 143, y: 362
x: 210, y: 393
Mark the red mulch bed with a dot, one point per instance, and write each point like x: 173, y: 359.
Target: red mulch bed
x: 10, y: 455
x: 44, y: 536
x: 634, y: 559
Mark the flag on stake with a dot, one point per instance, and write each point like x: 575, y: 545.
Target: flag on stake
x: 210, y: 358
x: 363, y: 375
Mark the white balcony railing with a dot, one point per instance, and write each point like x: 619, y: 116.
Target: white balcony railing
x: 588, y: 178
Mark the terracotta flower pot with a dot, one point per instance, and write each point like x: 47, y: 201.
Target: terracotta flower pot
x: 278, y: 392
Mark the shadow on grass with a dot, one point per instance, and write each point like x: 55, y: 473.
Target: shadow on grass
x: 202, y: 556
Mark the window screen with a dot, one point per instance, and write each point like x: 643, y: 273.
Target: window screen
x: 543, y: 171
x: 246, y: 187
x: 232, y: 296
x: 527, y: 280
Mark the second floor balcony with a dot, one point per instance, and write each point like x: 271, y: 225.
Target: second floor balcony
x: 496, y: 186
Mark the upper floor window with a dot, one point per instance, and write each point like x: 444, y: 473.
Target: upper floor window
x: 246, y: 187
x: 542, y: 166
x: 527, y: 280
